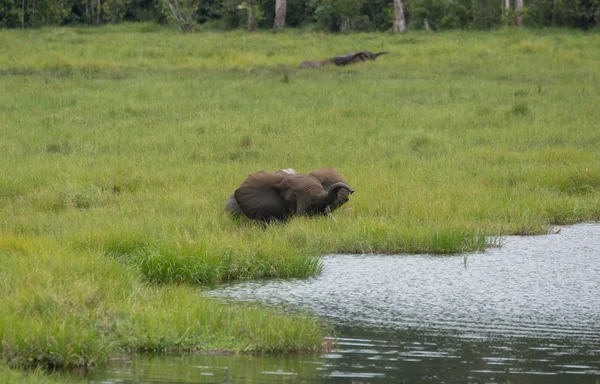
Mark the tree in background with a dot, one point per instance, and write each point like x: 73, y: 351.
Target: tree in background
x: 348, y: 12
x: 321, y: 15
x: 10, y: 14
x: 519, y: 12
x: 280, y: 10
x: 427, y: 14
x: 486, y: 14
x: 399, y: 20
x: 182, y: 13
x: 252, y: 10
x: 345, y: 15
x: 379, y: 13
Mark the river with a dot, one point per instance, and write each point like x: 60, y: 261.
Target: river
x: 527, y: 312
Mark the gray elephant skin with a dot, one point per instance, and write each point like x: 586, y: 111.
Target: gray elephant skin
x: 266, y: 196
x: 343, y: 60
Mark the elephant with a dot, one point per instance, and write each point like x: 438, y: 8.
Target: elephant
x: 343, y: 60
x: 266, y: 196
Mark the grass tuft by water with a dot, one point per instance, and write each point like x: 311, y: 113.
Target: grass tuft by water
x: 77, y: 316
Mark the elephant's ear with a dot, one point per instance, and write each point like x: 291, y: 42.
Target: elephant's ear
x: 259, y: 196
x: 329, y: 176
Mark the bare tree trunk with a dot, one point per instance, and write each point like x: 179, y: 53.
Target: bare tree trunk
x: 98, y: 13
x: 280, y: 11
x: 346, y: 24
x: 252, y: 24
x: 22, y: 14
x: 519, y: 9
x: 400, y: 21
x: 506, y: 9
x: 182, y: 15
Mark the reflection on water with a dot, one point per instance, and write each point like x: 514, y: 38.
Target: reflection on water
x: 528, y: 312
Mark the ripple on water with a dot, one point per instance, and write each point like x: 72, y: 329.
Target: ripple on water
x: 543, y: 286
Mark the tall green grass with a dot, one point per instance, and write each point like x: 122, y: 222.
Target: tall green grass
x: 62, y: 309
x: 118, y: 150
x: 38, y: 376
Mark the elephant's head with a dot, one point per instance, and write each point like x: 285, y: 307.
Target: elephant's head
x: 270, y: 196
x: 328, y: 177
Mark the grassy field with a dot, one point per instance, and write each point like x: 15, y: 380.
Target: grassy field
x: 120, y: 145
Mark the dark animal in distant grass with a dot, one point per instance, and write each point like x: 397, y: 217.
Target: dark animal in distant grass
x: 343, y: 60
x: 267, y: 196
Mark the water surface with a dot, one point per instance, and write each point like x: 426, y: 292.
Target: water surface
x: 528, y: 312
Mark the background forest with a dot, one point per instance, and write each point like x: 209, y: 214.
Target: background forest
x: 314, y: 15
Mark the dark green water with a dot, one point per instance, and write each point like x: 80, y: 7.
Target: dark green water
x: 526, y: 313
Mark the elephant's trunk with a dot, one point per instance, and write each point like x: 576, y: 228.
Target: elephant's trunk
x: 332, y: 194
